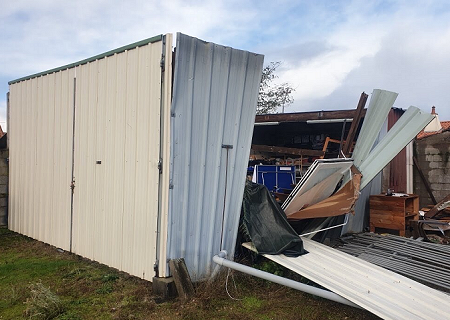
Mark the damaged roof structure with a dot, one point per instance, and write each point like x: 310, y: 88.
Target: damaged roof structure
x: 330, y: 187
x: 128, y: 172
x: 169, y: 183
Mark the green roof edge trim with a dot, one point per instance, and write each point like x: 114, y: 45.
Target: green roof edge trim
x: 97, y: 57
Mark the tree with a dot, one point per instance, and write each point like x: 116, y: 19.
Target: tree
x: 271, y: 97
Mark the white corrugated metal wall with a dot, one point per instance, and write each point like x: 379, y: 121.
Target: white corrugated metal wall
x: 121, y: 108
x: 41, y: 157
x: 116, y: 154
x: 214, y: 104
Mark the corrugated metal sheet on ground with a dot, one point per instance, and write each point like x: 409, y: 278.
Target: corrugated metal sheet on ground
x: 214, y: 104
x: 425, y: 262
x: 380, y: 291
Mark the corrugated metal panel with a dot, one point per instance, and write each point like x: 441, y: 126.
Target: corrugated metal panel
x: 424, y: 262
x: 358, y: 221
x: 379, y: 106
x: 115, y: 211
x: 380, y: 291
x: 91, y: 59
x: 116, y: 154
x: 214, y: 104
x: 404, y: 130
x: 40, y: 133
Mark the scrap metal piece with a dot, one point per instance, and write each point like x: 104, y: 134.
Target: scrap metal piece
x: 441, y: 205
x: 404, y: 130
x: 340, y: 203
x: 316, y: 173
x: 380, y: 291
x: 380, y: 104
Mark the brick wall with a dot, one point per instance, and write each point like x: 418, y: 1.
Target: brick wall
x: 433, y: 155
x: 4, y: 187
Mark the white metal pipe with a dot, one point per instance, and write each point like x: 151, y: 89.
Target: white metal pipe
x: 220, y: 259
x: 257, y: 124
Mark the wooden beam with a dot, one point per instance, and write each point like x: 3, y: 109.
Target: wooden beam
x: 287, y: 151
x: 181, y: 277
x: 424, y: 180
x: 355, y: 123
x: 435, y: 210
x: 305, y: 116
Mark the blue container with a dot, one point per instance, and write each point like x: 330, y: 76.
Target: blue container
x: 275, y: 178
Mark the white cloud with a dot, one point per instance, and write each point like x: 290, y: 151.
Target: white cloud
x: 331, y: 51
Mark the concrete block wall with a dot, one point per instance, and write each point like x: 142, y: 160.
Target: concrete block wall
x: 4, y: 187
x: 433, y: 155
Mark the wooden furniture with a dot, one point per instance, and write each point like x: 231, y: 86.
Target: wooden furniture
x: 393, y: 212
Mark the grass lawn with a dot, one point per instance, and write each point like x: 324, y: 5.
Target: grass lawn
x: 39, y: 282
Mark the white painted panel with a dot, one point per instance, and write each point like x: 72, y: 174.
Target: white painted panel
x: 316, y: 173
x: 117, y: 151
x: 115, y: 209
x: 40, y: 157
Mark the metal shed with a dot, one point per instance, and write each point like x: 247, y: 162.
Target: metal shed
x: 108, y: 163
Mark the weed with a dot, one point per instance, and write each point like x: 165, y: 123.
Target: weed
x: 106, y: 287
x: 43, y: 303
x: 271, y: 267
x: 251, y: 303
x: 110, y: 277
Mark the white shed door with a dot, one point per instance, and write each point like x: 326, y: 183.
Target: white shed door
x: 116, y: 154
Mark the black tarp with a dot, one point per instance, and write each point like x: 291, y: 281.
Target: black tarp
x: 266, y: 224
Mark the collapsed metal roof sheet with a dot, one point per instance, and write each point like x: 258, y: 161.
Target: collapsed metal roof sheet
x: 380, y: 291
x: 425, y: 262
x: 379, y: 106
x: 404, y: 130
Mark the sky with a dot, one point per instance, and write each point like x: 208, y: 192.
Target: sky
x: 330, y: 51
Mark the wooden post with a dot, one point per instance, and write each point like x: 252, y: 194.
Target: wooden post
x: 181, y: 277
x: 355, y: 123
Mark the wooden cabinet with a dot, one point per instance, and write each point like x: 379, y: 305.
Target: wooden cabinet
x: 393, y: 212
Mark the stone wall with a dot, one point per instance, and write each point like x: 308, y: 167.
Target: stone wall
x: 433, y: 155
x: 4, y: 187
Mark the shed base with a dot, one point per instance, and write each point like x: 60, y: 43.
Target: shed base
x: 164, y: 287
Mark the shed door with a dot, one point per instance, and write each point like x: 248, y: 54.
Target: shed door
x: 116, y: 155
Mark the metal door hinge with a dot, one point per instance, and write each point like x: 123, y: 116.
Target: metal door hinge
x: 163, y: 63
x: 160, y: 166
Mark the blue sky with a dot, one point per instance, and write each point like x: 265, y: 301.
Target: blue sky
x: 330, y: 51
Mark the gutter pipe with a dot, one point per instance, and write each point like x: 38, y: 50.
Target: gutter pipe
x: 220, y: 259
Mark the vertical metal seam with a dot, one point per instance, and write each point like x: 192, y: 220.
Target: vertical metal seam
x: 73, y: 162
x: 161, y: 140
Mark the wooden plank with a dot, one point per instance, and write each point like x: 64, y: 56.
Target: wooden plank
x: 435, y: 210
x: 305, y: 116
x: 424, y: 180
x: 288, y: 151
x: 355, y: 123
x: 181, y: 277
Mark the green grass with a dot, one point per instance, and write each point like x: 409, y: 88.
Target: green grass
x: 39, y: 282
